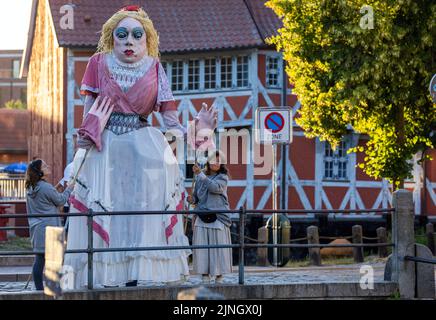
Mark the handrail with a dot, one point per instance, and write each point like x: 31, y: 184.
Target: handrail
x: 90, y: 250
x: 130, y: 213
x: 418, y: 259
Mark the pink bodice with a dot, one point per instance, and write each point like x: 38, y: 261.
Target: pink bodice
x: 141, y: 98
x: 149, y: 93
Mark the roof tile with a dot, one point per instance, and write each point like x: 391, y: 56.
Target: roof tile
x: 264, y: 17
x: 183, y: 25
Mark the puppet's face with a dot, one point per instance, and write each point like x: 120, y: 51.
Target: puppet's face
x: 130, y: 43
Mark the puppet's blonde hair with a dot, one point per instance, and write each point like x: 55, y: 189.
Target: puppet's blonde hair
x: 106, y: 42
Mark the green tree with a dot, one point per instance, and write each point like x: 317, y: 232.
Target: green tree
x: 15, y: 104
x: 374, y: 79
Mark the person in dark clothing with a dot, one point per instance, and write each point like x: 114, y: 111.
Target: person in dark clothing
x: 41, y: 198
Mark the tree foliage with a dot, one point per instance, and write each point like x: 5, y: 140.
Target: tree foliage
x: 375, y: 80
x: 15, y: 104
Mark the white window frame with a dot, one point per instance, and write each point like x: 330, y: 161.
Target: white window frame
x: 183, y: 84
x: 242, y: 71
x: 213, y: 59
x: 335, y: 160
x: 15, y: 69
x: 232, y: 82
x: 218, y: 73
x: 202, y: 75
x: 232, y: 73
x: 277, y: 71
x: 198, y: 82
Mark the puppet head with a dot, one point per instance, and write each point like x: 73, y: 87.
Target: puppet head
x: 130, y: 34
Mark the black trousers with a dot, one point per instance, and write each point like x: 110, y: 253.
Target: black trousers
x: 38, y: 271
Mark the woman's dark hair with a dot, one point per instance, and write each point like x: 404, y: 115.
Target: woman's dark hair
x: 223, y: 168
x: 34, y: 173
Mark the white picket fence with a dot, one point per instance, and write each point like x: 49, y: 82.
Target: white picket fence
x: 12, y: 186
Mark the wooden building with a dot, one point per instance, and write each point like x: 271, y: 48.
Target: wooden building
x: 213, y: 51
x: 13, y: 122
x: 13, y: 135
x: 12, y: 87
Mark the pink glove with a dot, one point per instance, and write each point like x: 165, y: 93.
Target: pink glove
x: 95, y: 121
x: 102, y: 110
x: 201, y: 129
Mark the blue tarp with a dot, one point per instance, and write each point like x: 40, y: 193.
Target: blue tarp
x: 16, y: 168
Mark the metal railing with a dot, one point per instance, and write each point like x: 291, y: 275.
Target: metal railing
x: 241, y: 246
x: 421, y: 260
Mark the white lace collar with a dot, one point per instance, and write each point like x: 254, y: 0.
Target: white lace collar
x: 135, y: 65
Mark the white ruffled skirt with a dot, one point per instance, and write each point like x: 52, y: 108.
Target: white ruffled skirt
x: 135, y: 171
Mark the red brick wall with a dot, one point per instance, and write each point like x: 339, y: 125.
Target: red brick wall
x: 301, y: 153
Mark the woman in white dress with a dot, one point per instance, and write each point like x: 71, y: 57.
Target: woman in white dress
x: 128, y: 165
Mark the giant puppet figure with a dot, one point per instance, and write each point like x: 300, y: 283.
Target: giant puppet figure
x: 124, y: 164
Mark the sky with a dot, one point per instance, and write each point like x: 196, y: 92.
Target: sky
x: 14, y: 23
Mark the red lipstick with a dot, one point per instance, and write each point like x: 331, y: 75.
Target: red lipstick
x: 128, y: 52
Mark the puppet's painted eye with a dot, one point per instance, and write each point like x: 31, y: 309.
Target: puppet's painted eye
x: 121, y: 33
x: 138, y: 33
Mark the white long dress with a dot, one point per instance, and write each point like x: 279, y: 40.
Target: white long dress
x: 135, y: 171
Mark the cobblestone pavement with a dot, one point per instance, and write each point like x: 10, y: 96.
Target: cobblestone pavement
x: 261, y: 276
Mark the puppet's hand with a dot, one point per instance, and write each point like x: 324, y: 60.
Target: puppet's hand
x: 102, y: 109
x: 201, y: 130
x: 204, y: 125
x: 207, y: 118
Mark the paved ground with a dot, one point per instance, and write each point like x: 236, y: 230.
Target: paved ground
x: 253, y: 276
x: 265, y: 277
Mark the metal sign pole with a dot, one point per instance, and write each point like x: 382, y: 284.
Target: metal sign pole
x: 274, y: 202
x: 274, y: 127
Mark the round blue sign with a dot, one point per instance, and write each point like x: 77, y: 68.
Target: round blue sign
x: 274, y: 122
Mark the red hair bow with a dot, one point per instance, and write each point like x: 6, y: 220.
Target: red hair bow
x: 130, y: 8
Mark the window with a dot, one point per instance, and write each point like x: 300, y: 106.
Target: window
x: 193, y: 74
x: 336, y: 162
x: 226, y: 72
x: 210, y: 73
x: 272, y: 71
x: 15, y: 68
x: 23, y: 95
x: 242, y: 71
x: 177, y: 76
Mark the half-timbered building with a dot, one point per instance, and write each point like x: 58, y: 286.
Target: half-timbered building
x: 214, y: 52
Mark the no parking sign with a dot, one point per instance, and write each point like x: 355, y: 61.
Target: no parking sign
x: 274, y: 125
